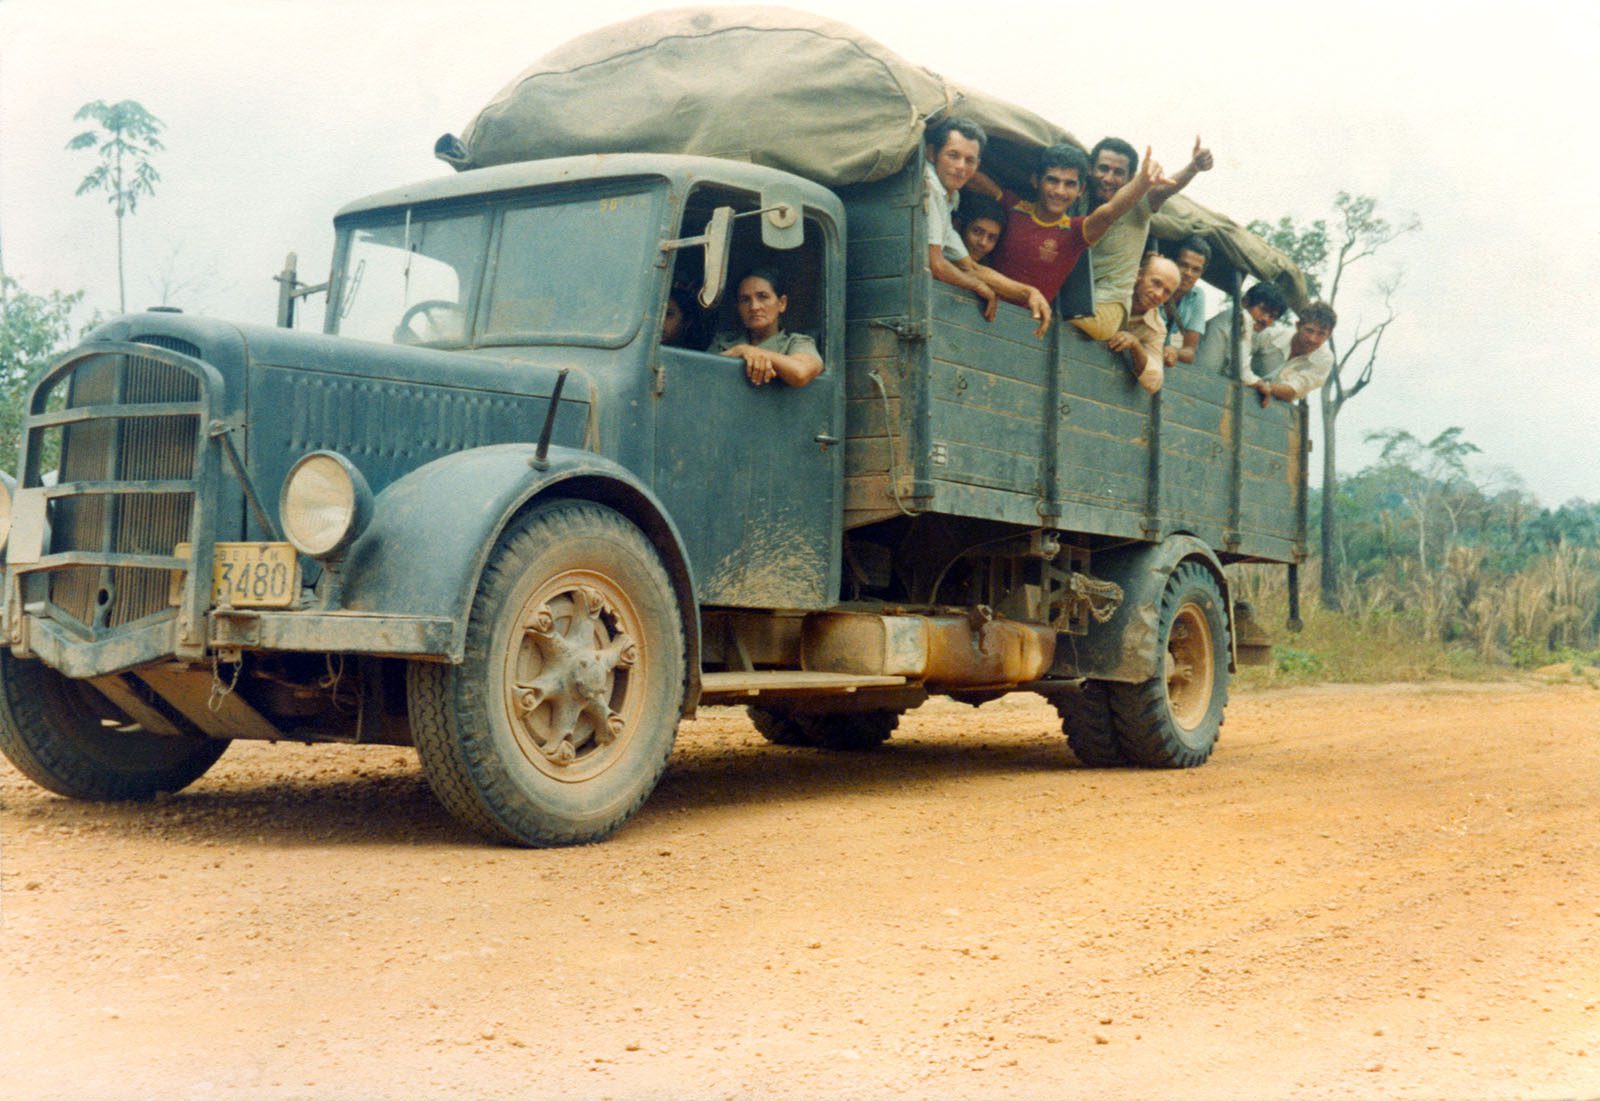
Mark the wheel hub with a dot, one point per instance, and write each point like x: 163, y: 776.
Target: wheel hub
x: 1189, y: 668
x: 569, y: 675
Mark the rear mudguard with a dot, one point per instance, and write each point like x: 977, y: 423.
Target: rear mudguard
x: 432, y: 532
x: 1127, y: 647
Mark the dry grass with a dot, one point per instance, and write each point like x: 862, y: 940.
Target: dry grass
x: 1459, y: 623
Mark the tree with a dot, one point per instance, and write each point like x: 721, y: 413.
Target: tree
x: 1306, y: 245
x: 32, y: 329
x: 125, y: 138
x: 175, y: 281
x: 1432, y: 480
x: 1359, y: 233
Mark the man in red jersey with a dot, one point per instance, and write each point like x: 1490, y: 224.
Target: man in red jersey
x: 954, y: 148
x: 1042, y: 243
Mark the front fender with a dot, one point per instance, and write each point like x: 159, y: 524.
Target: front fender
x: 1128, y: 646
x: 432, y: 531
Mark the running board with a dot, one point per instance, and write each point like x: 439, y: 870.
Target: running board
x: 736, y: 687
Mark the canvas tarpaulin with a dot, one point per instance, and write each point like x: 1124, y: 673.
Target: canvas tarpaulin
x: 779, y: 88
x: 766, y: 85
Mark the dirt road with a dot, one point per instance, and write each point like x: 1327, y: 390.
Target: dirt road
x: 1368, y: 892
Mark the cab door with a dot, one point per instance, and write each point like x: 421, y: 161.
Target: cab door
x: 752, y: 477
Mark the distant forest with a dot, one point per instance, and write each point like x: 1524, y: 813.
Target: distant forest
x: 1430, y: 552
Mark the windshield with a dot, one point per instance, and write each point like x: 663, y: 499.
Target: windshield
x: 412, y: 281
x: 563, y: 270
x: 571, y: 270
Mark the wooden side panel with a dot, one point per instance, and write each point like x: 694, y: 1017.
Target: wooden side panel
x: 881, y: 294
x: 948, y: 413
x: 988, y: 387
x: 1102, y: 469
x: 1268, y: 525
x: 1196, y: 460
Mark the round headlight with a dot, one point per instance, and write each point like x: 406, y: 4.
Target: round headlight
x: 325, y: 504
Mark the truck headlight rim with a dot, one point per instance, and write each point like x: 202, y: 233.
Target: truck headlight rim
x: 325, y: 504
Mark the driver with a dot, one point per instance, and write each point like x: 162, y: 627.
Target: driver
x: 767, y: 350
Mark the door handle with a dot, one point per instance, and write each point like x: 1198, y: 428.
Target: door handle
x: 826, y: 440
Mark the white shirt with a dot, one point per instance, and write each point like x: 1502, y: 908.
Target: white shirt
x: 1303, y: 374
x: 940, y: 204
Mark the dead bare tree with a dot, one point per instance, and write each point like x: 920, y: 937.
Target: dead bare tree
x: 1359, y: 233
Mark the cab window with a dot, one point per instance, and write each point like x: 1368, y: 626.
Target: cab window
x: 569, y: 271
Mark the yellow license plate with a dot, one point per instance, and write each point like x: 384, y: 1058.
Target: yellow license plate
x: 248, y: 575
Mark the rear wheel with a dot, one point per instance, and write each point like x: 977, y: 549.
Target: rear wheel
x: 560, y: 720
x: 1173, y: 719
x: 845, y: 731
x: 1086, y: 721
x: 852, y: 731
x: 66, y: 737
x: 779, y: 727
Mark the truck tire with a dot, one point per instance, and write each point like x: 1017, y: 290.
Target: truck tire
x: 780, y: 727
x: 1086, y: 721
x: 851, y: 731
x: 843, y: 731
x: 559, y: 722
x: 1173, y: 719
x: 54, y: 730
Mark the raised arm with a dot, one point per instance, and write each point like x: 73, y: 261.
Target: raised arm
x: 1200, y: 161
x: 983, y: 185
x: 1144, y: 182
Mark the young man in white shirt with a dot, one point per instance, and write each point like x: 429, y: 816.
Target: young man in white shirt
x: 1296, y: 362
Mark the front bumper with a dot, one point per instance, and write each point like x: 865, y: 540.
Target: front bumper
x: 231, y: 631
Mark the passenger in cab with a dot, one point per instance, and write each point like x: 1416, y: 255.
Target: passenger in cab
x: 1296, y: 362
x: 1185, y: 311
x: 1043, y: 241
x: 767, y: 350
x: 680, y: 324
x: 1144, y: 334
x: 1117, y: 255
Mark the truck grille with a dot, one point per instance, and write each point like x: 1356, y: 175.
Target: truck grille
x: 130, y: 448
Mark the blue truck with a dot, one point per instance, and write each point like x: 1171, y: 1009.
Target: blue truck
x: 489, y: 514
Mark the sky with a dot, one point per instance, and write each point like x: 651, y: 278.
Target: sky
x: 1479, y: 122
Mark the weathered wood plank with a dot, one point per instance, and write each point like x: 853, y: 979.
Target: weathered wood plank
x: 888, y: 296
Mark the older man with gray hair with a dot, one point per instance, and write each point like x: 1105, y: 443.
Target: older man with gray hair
x: 1144, y: 333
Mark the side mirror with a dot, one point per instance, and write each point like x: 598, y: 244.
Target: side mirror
x: 781, y: 224
x: 716, y: 242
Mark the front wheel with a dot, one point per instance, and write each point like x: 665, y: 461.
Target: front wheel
x: 1173, y: 719
x: 560, y: 720
x: 67, y: 738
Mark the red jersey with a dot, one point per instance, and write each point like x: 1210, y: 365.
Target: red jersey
x: 1041, y: 254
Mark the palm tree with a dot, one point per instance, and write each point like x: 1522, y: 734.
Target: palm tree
x: 124, y: 138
